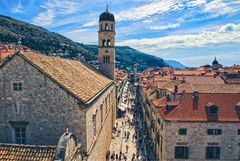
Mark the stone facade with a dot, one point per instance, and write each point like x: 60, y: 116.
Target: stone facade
x: 197, y: 140
x: 106, y: 48
x: 164, y: 135
x: 105, y: 111
x: 47, y: 110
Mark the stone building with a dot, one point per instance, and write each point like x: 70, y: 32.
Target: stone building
x: 106, y: 44
x: 42, y: 96
x: 192, y: 125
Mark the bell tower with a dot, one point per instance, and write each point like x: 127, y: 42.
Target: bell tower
x: 106, y: 44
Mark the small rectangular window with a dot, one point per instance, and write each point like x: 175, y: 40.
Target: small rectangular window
x: 214, y: 131
x: 182, y: 132
x: 20, y: 135
x: 213, y: 153
x: 106, y: 106
x: 94, y: 124
x: 101, y: 109
x: 106, y: 59
x: 238, y: 131
x: 17, y: 86
x: 181, y: 152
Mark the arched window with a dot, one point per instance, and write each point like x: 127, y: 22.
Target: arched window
x: 106, y: 27
x: 100, y: 27
x: 108, y: 42
x: 104, y: 42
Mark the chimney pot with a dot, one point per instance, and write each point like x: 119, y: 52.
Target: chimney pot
x: 195, y: 95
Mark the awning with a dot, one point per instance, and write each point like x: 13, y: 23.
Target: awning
x: 122, y: 106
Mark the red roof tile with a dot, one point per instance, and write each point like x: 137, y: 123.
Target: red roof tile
x: 15, y: 152
x: 190, y: 110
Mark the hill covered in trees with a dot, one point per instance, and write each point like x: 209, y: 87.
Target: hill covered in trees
x: 52, y: 43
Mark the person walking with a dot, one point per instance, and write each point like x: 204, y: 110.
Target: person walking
x: 127, y: 148
x: 120, y: 155
x: 133, y: 137
x: 128, y: 134
x: 108, y: 155
x: 113, y: 156
x: 124, y: 157
x: 133, y: 157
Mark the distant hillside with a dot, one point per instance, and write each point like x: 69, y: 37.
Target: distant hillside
x: 52, y: 43
x: 175, y: 64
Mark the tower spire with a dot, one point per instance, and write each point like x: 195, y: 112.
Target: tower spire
x: 107, y: 8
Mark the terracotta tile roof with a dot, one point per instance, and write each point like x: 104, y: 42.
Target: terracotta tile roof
x: 189, y: 72
x: 168, y: 85
x: 15, y: 152
x: 195, y: 110
x: 202, y: 79
x: 82, y: 80
x: 209, y: 88
x: 160, y: 102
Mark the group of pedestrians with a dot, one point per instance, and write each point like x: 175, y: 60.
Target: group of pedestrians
x: 128, y: 130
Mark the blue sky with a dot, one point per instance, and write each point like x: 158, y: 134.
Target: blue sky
x: 190, y: 31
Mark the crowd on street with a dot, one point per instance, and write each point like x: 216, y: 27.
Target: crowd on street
x: 128, y: 143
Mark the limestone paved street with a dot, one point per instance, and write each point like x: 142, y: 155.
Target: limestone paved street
x: 128, y: 125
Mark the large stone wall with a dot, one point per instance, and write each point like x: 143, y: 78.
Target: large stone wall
x: 48, y: 109
x: 197, y: 140
x: 98, y: 145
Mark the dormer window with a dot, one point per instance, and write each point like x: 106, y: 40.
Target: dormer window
x: 169, y: 108
x: 212, y: 109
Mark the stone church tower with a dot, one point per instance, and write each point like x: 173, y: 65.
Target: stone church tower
x: 106, y: 44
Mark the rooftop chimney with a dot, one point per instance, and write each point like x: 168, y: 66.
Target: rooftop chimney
x: 183, y: 80
x: 175, y: 89
x: 195, y: 95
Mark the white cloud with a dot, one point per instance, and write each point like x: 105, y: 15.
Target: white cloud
x: 193, y: 3
x: 227, y: 58
x: 82, y: 35
x: 231, y: 34
x: 90, y: 23
x: 53, y: 8
x: 147, y: 10
x: 230, y: 27
x: 61, y: 6
x: 221, y: 7
x: 164, y: 27
x: 18, y: 8
x: 44, y: 18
